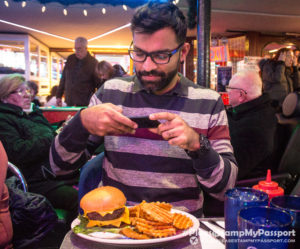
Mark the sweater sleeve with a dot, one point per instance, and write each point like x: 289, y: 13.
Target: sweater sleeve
x: 70, y: 150
x: 217, y: 169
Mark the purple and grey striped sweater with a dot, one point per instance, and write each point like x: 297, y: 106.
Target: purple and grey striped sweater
x: 144, y: 166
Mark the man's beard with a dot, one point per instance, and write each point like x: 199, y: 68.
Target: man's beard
x: 154, y: 86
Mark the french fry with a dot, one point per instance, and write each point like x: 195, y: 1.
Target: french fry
x: 155, y: 220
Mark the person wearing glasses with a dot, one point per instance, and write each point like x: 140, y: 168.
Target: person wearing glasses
x: 187, y: 153
x: 26, y: 138
x: 252, y: 124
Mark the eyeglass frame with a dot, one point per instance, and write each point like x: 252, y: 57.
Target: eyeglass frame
x: 22, y: 92
x: 169, y: 53
x: 235, y: 88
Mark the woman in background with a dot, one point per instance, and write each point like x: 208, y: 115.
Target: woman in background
x: 105, y: 71
x: 27, y: 139
x: 51, y: 99
x: 34, y: 89
x: 119, y: 71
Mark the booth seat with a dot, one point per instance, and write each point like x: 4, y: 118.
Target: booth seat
x: 58, y: 114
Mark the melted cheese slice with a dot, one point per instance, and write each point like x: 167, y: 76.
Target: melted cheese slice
x: 116, y: 222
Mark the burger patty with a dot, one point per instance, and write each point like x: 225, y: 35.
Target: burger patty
x: 115, y: 215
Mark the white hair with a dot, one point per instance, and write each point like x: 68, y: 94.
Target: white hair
x: 81, y: 40
x: 250, y: 81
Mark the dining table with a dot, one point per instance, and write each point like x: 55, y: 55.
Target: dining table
x: 211, y: 234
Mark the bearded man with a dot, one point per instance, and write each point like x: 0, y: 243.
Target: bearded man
x: 187, y: 153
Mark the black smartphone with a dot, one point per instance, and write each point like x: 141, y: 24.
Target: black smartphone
x: 145, y: 122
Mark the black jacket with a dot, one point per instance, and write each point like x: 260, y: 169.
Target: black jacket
x: 79, y: 80
x: 252, y: 128
x: 27, y: 139
x: 278, y: 80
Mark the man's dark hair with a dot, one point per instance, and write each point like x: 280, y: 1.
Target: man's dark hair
x: 154, y: 16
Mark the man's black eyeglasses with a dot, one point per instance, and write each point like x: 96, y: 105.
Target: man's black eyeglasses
x: 162, y: 57
x: 235, y: 88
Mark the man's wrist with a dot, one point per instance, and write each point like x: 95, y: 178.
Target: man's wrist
x: 204, y: 148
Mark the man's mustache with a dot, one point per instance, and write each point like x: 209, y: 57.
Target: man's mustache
x: 151, y: 73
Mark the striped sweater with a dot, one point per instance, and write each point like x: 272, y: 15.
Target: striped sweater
x: 144, y: 166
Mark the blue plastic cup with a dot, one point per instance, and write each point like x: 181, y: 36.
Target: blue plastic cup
x: 264, y: 228
x: 291, y: 204
x: 235, y: 200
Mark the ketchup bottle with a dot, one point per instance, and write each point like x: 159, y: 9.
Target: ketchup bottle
x: 269, y: 186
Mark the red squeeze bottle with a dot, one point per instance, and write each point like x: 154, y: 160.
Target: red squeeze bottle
x: 269, y: 186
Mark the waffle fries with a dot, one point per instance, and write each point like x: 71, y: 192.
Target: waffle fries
x: 155, y: 220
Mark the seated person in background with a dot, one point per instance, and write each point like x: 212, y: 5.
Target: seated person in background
x: 34, y: 89
x: 119, y: 71
x: 51, y: 99
x: 252, y: 124
x: 105, y: 71
x: 27, y: 139
x: 189, y: 152
x: 6, y: 229
x: 280, y: 76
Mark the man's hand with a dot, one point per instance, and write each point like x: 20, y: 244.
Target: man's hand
x: 58, y: 102
x: 106, y: 119
x: 176, y: 131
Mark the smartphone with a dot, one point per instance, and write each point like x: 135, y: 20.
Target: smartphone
x: 145, y: 122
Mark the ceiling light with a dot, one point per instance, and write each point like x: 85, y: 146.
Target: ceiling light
x: 23, y: 4
x: 103, y: 11
x: 36, y: 30
x: 43, y: 8
x: 273, y: 51
x: 84, y: 12
x: 175, y: 2
x: 6, y: 3
x: 65, y: 12
x: 124, y: 7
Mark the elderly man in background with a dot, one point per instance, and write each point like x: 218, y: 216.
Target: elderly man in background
x: 79, y: 78
x: 252, y: 124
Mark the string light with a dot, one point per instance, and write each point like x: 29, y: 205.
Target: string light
x: 23, y: 4
x: 103, y: 11
x: 43, y: 8
x: 35, y: 30
x: 6, y: 3
x: 85, y: 12
x: 65, y: 12
x: 109, y: 32
x: 124, y: 7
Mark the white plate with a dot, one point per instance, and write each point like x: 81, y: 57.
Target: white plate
x: 132, y: 242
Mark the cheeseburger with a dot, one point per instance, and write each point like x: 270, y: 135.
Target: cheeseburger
x: 105, y: 206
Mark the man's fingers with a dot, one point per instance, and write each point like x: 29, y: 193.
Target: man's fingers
x: 115, y: 107
x: 162, y: 115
